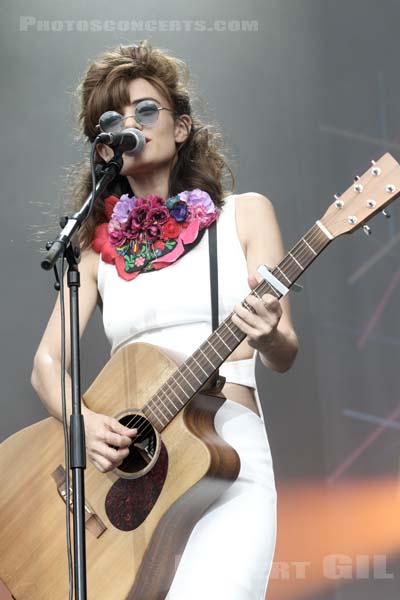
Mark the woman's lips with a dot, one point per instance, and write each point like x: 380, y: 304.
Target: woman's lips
x: 147, y: 140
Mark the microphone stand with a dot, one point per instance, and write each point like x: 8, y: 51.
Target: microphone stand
x: 67, y: 244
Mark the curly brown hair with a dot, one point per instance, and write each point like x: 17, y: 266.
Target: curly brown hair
x: 200, y: 161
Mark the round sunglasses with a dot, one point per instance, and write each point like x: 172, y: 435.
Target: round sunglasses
x: 146, y: 113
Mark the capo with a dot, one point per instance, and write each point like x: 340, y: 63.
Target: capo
x: 277, y: 285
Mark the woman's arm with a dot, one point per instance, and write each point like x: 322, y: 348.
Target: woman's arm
x: 103, y: 433
x: 270, y: 329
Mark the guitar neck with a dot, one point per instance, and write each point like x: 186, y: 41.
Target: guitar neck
x: 194, y: 373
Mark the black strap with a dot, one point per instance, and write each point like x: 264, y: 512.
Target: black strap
x: 212, y: 247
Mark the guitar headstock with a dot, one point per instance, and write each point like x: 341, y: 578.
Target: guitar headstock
x: 368, y: 195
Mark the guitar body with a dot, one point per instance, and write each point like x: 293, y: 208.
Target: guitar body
x: 144, y: 521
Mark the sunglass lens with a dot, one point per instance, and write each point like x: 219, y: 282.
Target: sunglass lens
x: 110, y: 122
x: 146, y: 112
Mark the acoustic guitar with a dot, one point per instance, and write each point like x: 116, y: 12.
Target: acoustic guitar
x: 139, y: 516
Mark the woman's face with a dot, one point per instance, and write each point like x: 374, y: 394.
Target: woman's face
x: 161, y: 136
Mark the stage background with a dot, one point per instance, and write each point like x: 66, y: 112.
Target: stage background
x: 306, y: 93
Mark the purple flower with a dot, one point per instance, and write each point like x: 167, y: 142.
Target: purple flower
x: 198, y: 197
x: 179, y: 211
x: 123, y: 207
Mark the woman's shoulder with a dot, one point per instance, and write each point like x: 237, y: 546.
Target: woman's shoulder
x: 89, y: 264
x: 252, y: 209
x: 252, y: 201
x: 252, y: 213
x: 247, y: 201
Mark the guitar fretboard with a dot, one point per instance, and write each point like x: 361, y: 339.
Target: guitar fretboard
x: 194, y: 373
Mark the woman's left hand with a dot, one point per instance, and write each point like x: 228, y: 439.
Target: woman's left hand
x: 260, y: 326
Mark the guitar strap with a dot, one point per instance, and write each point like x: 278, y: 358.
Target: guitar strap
x: 212, y: 247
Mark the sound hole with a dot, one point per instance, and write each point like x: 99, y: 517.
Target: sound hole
x: 144, y: 448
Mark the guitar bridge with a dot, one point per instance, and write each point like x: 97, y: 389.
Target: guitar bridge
x: 92, y: 520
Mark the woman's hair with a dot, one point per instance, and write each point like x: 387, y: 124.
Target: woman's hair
x: 200, y: 161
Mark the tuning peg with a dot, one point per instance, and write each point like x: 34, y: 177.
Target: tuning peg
x: 338, y: 202
x: 386, y: 214
x: 367, y: 229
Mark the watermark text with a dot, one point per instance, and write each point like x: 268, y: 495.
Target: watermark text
x: 31, y: 23
x: 336, y: 566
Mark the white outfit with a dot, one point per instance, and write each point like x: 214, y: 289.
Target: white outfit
x: 229, y: 553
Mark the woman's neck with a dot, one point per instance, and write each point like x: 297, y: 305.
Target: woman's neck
x: 154, y: 185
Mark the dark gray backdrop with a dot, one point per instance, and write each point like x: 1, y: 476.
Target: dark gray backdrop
x: 305, y: 100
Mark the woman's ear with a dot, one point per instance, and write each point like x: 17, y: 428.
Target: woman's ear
x: 105, y: 152
x: 183, y: 126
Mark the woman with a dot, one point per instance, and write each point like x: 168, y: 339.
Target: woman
x: 229, y: 553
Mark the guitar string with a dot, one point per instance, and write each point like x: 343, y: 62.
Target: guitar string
x: 158, y: 415
x: 315, y: 233
x: 287, y: 263
x: 197, y: 361
x: 137, y: 418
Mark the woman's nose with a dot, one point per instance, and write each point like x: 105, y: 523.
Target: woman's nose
x: 129, y: 121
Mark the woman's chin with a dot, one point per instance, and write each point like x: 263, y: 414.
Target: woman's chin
x: 135, y: 168
x: 139, y: 165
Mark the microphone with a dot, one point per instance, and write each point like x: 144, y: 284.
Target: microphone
x: 129, y: 140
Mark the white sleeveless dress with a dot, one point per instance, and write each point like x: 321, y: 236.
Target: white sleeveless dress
x: 229, y: 553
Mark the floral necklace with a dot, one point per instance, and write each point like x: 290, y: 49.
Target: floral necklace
x: 146, y: 234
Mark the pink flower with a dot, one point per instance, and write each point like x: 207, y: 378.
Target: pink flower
x: 199, y: 212
x: 200, y: 206
x: 157, y: 214
x: 135, y: 223
x: 116, y: 233
x: 139, y: 261
x: 155, y: 201
x: 153, y: 233
x: 198, y: 197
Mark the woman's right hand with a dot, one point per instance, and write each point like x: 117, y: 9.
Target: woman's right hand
x: 107, y: 441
